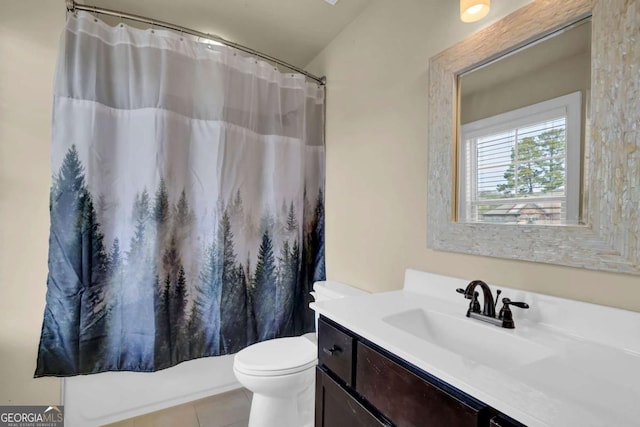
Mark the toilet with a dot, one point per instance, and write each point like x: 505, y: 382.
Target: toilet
x: 281, y: 372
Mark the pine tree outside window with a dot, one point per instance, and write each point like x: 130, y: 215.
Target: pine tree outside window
x: 523, y: 166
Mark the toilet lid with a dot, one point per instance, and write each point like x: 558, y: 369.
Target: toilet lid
x: 279, y: 356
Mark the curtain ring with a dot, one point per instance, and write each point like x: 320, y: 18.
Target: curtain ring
x: 153, y: 24
x: 95, y: 14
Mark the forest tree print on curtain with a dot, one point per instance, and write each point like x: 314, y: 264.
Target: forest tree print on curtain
x: 178, y: 230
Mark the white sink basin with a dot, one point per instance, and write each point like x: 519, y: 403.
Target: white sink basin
x: 472, y: 339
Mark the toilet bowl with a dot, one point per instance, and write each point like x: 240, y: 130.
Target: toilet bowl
x: 281, y: 372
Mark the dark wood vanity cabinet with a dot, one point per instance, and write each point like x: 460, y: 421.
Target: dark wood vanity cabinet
x: 360, y: 384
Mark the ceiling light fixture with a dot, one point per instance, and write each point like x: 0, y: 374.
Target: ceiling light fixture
x: 474, y: 10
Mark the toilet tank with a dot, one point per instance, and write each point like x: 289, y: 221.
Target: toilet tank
x: 328, y: 290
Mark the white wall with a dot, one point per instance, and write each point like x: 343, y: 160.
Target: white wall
x: 29, y: 32
x: 377, y: 72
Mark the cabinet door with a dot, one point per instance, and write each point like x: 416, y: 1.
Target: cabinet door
x: 409, y: 400
x: 337, y: 408
x: 335, y: 351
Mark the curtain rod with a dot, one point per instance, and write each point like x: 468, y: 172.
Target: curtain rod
x: 72, y: 6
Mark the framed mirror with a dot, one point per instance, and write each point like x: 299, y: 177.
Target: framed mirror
x: 518, y: 204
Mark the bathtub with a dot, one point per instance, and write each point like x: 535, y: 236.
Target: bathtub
x: 95, y: 400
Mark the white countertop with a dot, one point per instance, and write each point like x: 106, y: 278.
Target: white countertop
x: 588, y: 375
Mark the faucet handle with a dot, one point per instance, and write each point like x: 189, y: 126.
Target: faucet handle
x: 474, y: 305
x: 466, y: 295
x: 515, y: 303
x: 505, y: 313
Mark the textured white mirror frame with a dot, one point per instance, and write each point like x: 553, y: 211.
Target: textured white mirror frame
x: 611, y: 239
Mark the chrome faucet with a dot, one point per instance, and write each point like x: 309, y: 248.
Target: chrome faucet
x: 488, y: 314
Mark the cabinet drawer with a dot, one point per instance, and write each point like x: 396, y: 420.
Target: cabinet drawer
x: 337, y: 408
x: 335, y: 351
x: 409, y: 400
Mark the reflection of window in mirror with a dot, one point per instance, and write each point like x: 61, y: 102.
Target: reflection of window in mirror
x: 522, y: 126
x: 523, y: 166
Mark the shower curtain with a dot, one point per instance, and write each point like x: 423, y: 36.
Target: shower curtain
x: 187, y: 214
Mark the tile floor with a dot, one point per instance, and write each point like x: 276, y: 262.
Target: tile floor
x: 229, y: 409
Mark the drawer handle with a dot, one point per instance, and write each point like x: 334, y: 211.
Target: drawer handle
x: 330, y: 351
